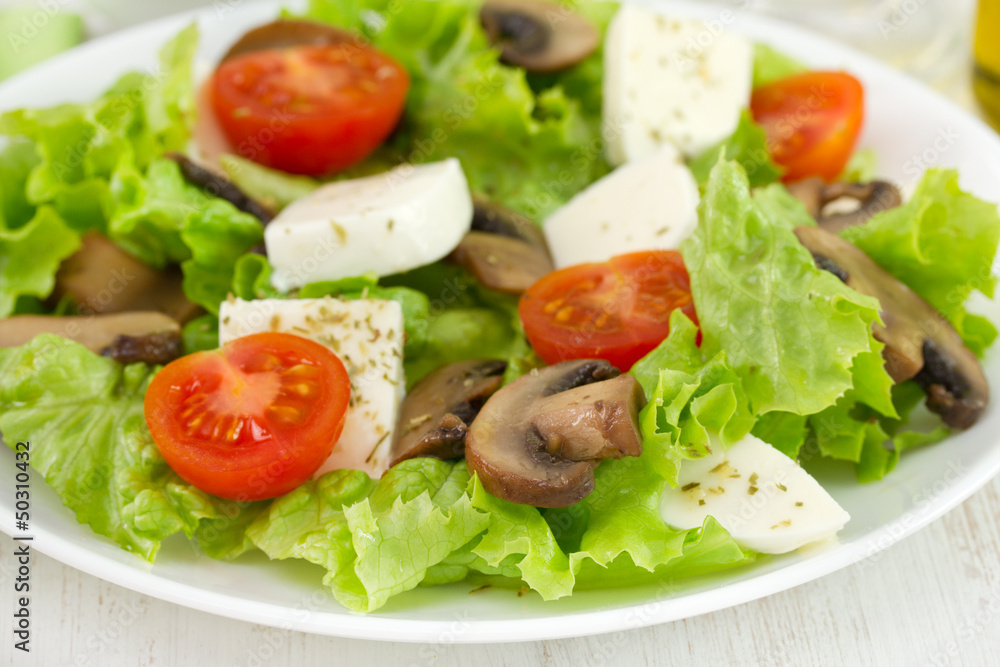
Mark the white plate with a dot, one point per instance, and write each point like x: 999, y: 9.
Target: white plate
x: 907, y: 124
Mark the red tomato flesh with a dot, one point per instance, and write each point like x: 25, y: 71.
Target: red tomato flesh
x: 617, y: 310
x: 812, y: 122
x: 312, y: 110
x: 251, y: 420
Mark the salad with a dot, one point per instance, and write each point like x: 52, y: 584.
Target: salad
x: 540, y: 296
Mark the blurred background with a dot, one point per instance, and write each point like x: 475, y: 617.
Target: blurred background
x: 952, y: 45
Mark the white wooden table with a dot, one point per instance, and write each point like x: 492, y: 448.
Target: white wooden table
x: 932, y: 600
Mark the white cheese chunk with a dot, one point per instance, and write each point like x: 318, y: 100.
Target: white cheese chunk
x: 671, y: 81
x: 367, y: 335
x: 762, y: 497
x: 649, y: 204
x: 388, y: 223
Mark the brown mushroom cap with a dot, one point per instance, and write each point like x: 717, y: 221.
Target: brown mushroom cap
x: 505, y: 251
x: 538, y: 440
x: 919, y: 342
x: 536, y: 35
x: 286, y: 33
x: 500, y: 262
x: 96, y: 332
x: 435, y: 415
x: 873, y: 198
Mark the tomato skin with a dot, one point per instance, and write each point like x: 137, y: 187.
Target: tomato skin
x: 812, y: 122
x: 312, y: 110
x: 251, y: 420
x: 617, y: 310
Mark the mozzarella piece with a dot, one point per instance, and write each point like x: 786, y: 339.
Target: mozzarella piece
x: 648, y: 204
x: 388, y: 223
x: 762, y: 497
x: 367, y: 335
x: 671, y: 81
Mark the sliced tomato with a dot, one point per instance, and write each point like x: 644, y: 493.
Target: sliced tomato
x: 309, y: 109
x: 812, y: 122
x: 617, y: 310
x: 251, y: 420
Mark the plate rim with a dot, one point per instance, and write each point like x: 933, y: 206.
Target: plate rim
x: 380, y: 628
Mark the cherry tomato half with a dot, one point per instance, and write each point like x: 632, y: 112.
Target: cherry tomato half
x: 309, y: 110
x: 251, y: 420
x: 812, y: 122
x: 617, y: 310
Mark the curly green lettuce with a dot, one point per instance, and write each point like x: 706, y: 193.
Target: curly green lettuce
x: 920, y: 243
x: 797, y: 335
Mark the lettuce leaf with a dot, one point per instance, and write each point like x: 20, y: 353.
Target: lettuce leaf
x: 138, y: 118
x: 852, y: 431
x: 797, y: 336
x: 862, y: 167
x: 30, y: 256
x: 163, y: 219
x: 83, y: 414
x: 919, y: 242
x: 465, y: 321
x: 785, y: 431
x: 84, y: 166
x: 150, y: 210
x: 375, y: 539
x: 217, y: 235
x: 692, y: 398
x: 623, y: 539
x: 747, y: 145
x: 17, y: 159
x: 770, y: 65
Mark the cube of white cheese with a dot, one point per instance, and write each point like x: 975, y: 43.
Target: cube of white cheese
x: 671, y: 81
x: 762, y: 497
x: 648, y: 204
x: 367, y: 335
x: 387, y: 223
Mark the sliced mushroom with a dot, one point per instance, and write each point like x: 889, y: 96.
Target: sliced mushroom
x: 538, y: 440
x: 285, y: 33
x: 102, y: 278
x: 872, y: 198
x: 435, y: 416
x: 500, y: 262
x: 919, y: 342
x: 221, y: 187
x: 538, y: 36
x: 96, y: 332
x: 504, y: 251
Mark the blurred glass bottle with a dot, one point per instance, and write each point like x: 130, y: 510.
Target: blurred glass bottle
x: 987, y: 52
